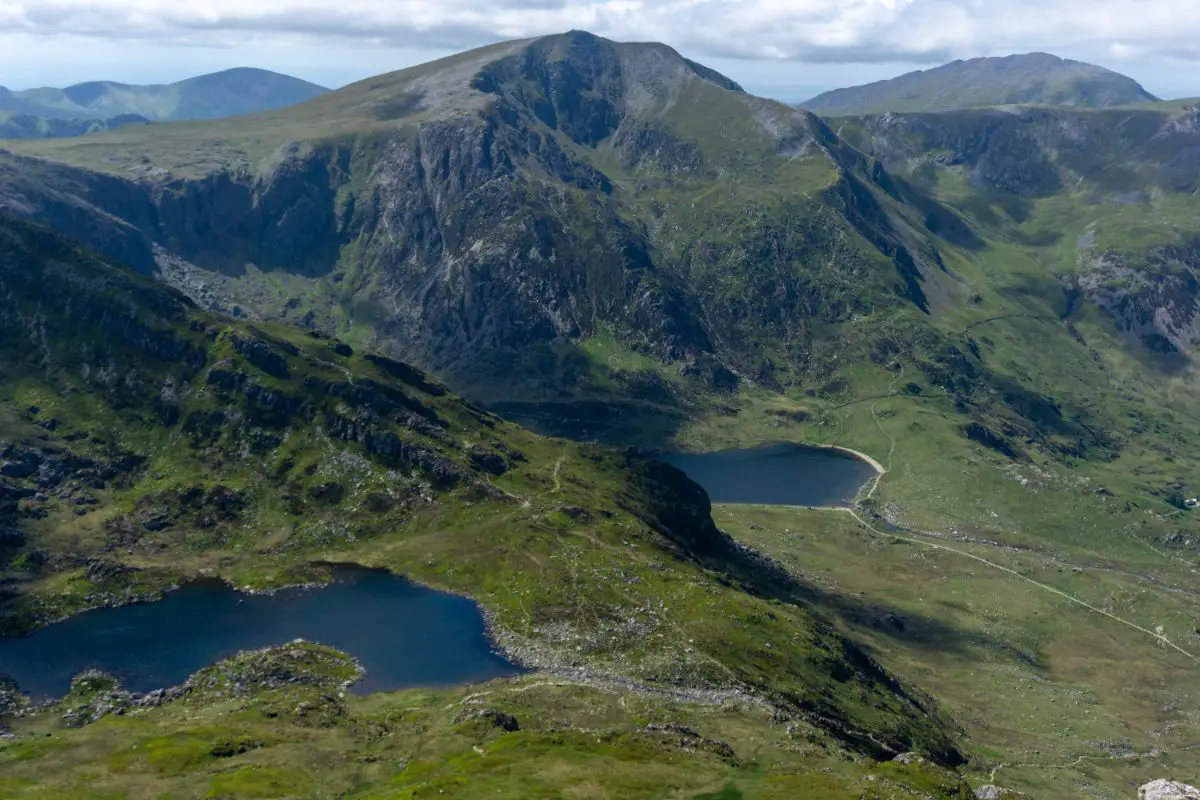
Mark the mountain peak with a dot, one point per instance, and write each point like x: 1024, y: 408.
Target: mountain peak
x: 585, y: 85
x: 1018, y: 79
x: 661, y: 55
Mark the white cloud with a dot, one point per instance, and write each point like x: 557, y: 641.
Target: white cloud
x: 801, y: 30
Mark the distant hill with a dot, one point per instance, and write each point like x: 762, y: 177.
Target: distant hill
x: 27, y: 126
x: 1030, y: 79
x: 222, y: 94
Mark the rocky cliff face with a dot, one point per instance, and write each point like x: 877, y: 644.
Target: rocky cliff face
x: 1153, y: 296
x: 535, y: 199
x: 1038, y: 151
x: 285, y: 217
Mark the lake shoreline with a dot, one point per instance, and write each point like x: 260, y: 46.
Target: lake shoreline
x: 861, y: 456
x: 471, y: 647
x: 782, y: 473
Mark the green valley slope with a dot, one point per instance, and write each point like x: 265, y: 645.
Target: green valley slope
x: 1028, y: 79
x: 146, y: 442
x: 26, y: 126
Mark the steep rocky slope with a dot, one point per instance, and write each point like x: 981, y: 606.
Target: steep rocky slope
x: 1036, y: 152
x: 1152, y: 294
x: 1028, y: 79
x: 1105, y: 197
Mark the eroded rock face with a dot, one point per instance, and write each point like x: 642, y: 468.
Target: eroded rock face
x: 1153, y: 297
x: 1030, y: 152
x: 1163, y: 789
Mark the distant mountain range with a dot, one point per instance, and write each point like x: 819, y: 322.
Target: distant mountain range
x: 1030, y: 79
x: 222, y: 94
x: 27, y: 126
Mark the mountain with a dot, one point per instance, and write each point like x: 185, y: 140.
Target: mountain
x: 484, y: 210
x: 24, y: 126
x: 147, y: 442
x: 1030, y: 79
x: 222, y: 94
x: 611, y: 241
x: 1134, y: 251
x: 497, y: 215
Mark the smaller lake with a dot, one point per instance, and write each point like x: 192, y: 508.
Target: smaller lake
x: 404, y: 635
x: 778, y: 474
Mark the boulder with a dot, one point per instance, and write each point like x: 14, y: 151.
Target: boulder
x: 1163, y: 789
x: 910, y: 758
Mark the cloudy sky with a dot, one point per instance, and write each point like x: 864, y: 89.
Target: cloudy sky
x: 786, y: 48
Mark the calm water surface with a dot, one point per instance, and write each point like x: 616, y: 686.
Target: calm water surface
x: 403, y: 634
x: 778, y: 474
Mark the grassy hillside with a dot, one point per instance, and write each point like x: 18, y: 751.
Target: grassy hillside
x: 1029, y: 79
x: 222, y: 94
x: 147, y: 442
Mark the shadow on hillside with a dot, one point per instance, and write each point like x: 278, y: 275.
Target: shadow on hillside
x: 647, y: 427
x: 613, y: 422
x: 761, y: 575
x: 1057, y: 297
x: 939, y: 219
x: 561, y: 389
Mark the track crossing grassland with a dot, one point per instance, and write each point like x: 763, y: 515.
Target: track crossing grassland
x: 899, y: 536
x: 1160, y: 638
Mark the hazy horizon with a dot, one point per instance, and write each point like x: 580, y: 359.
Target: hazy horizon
x: 782, y: 80
x: 789, y: 51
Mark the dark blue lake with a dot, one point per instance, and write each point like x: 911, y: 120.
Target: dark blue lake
x: 777, y: 474
x: 404, y: 635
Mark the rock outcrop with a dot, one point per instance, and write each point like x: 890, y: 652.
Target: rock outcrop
x: 1163, y: 789
x: 1152, y: 296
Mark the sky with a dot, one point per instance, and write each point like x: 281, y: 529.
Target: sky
x: 789, y: 49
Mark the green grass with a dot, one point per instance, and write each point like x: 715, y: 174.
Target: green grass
x: 574, y: 741
x: 1035, y: 680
